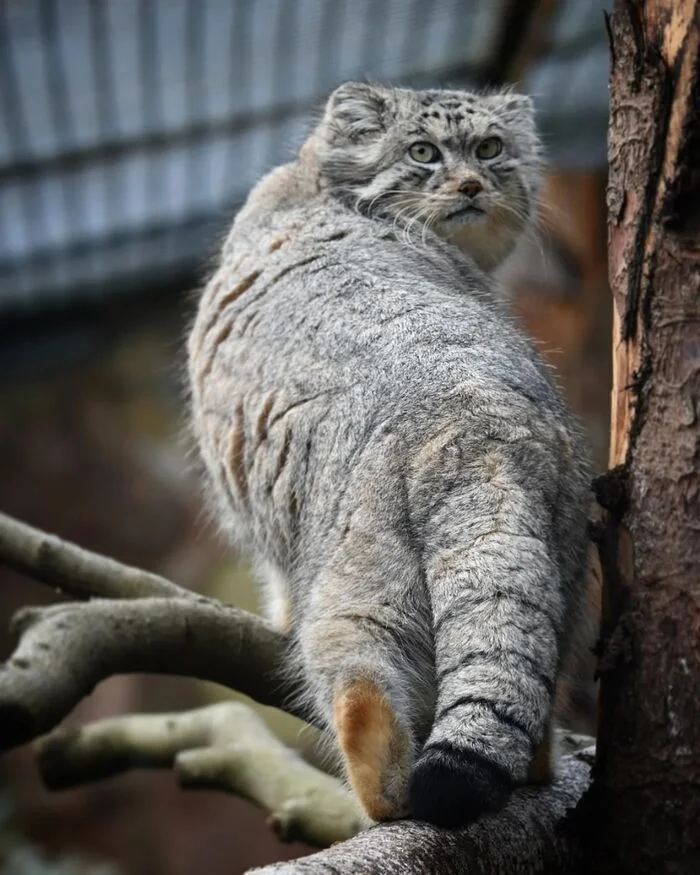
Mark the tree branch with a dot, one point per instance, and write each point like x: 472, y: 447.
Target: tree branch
x: 226, y: 747
x: 537, y: 833
x: 65, y: 650
x: 74, y: 570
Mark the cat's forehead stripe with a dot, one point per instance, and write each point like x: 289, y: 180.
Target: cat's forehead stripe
x: 452, y: 111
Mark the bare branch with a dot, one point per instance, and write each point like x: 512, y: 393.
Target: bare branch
x: 226, y: 747
x: 304, y: 803
x: 537, y: 833
x: 68, y: 757
x: 76, y: 571
x: 65, y: 650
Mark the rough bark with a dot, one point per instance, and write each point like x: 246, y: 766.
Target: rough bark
x: 535, y: 834
x: 647, y: 788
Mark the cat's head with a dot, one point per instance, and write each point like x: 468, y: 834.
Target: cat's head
x: 467, y: 165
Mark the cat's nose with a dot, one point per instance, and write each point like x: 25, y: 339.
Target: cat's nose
x: 471, y: 187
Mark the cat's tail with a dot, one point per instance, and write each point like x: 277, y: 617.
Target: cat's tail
x: 498, y: 615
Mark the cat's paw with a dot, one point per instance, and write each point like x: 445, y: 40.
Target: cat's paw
x: 378, y: 751
x: 451, y: 787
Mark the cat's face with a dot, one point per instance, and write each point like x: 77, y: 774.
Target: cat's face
x: 465, y: 165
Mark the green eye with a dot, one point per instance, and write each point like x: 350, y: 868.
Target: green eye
x: 489, y: 148
x: 424, y: 153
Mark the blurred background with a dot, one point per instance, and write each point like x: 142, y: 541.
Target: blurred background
x: 130, y: 131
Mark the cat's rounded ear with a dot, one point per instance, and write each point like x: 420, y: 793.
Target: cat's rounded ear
x: 358, y: 110
x: 516, y: 110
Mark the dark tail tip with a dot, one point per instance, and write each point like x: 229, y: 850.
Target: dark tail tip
x: 451, y: 787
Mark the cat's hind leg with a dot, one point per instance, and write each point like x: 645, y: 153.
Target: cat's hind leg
x: 367, y: 653
x: 378, y: 747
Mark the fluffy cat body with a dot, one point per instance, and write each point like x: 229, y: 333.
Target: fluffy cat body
x: 390, y: 451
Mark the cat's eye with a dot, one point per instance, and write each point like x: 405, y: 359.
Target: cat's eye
x: 424, y: 153
x: 489, y: 148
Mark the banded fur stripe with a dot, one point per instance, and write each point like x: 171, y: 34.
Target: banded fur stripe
x: 288, y: 268
x: 493, y: 708
x: 457, y: 611
x: 491, y: 656
x: 240, y: 288
x: 263, y: 420
x: 237, y: 462
x: 274, y: 417
x: 227, y: 298
x: 281, y: 459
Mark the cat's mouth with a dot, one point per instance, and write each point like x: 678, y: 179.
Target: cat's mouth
x: 470, y: 213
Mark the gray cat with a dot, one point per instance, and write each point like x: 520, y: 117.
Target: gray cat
x: 390, y: 450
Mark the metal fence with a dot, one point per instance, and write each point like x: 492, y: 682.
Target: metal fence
x: 130, y: 129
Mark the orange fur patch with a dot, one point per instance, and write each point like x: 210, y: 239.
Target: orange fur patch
x: 375, y: 748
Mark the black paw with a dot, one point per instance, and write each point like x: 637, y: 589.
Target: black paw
x: 451, y: 787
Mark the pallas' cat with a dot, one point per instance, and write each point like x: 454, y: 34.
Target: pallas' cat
x: 387, y: 447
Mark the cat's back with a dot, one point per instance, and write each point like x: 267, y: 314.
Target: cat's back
x: 323, y: 327
x: 321, y: 332
x: 313, y: 293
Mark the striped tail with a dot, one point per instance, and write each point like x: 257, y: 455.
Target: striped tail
x: 498, y: 613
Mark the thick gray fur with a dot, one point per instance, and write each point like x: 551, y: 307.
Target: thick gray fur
x: 380, y: 437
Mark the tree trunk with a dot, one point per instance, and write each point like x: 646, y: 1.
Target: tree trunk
x: 647, y: 786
